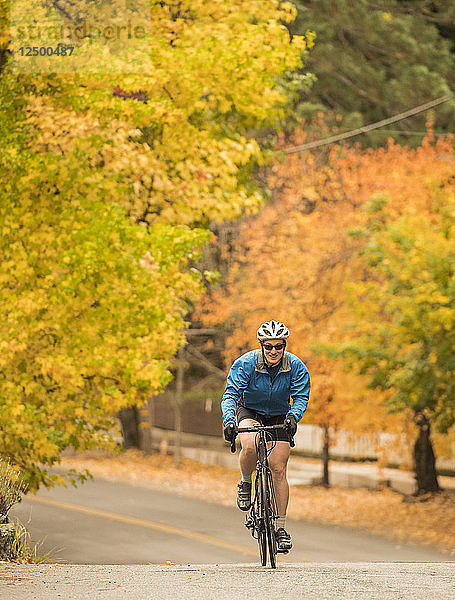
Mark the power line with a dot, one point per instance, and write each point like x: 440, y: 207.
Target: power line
x: 367, y: 128
x: 414, y: 132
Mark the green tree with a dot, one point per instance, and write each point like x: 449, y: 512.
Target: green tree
x: 110, y: 173
x: 372, y: 61
x: 405, y: 315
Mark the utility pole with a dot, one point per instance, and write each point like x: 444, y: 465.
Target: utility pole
x: 178, y: 396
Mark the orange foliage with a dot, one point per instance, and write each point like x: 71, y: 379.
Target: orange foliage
x: 294, y: 259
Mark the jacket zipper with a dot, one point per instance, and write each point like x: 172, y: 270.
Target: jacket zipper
x: 271, y: 385
x: 270, y: 392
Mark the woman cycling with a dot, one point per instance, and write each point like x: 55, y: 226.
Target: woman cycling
x: 258, y: 390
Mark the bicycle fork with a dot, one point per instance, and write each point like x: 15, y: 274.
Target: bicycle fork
x: 254, y: 520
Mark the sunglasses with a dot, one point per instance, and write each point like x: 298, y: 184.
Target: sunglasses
x: 269, y: 347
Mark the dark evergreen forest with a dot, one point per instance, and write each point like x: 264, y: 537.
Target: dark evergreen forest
x: 372, y: 60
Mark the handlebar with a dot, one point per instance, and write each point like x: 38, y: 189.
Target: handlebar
x: 256, y: 429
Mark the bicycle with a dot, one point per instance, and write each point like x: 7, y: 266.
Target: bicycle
x: 261, y: 517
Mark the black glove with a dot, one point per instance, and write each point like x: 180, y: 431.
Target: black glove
x: 229, y: 432
x: 290, y: 425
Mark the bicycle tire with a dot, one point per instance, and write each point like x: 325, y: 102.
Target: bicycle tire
x: 262, y: 541
x: 268, y: 521
x: 272, y: 513
x: 261, y: 531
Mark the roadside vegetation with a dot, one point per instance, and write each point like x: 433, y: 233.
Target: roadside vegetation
x: 15, y: 541
x: 16, y: 546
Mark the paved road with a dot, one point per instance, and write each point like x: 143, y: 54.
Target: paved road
x: 309, y: 581
x: 115, y: 523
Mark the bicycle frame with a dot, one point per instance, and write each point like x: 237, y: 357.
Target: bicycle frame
x: 263, y: 512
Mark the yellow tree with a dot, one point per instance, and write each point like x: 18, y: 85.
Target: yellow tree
x: 112, y: 167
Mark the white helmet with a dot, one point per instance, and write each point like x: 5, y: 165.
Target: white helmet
x: 272, y: 330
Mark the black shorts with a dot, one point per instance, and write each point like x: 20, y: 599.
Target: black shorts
x: 279, y: 435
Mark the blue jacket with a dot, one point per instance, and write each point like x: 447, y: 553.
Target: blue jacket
x: 249, y: 384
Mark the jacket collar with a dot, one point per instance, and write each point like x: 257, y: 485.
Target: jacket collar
x: 260, y: 364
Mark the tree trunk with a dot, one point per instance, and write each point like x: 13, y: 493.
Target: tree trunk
x: 424, y: 459
x: 129, y: 419
x: 178, y: 402
x: 3, y: 58
x: 325, y: 457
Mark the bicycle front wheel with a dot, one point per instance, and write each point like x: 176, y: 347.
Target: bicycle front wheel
x: 260, y: 521
x: 262, y: 541
x: 269, y: 516
x: 272, y: 517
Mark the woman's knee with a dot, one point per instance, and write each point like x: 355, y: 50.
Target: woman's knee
x: 248, y: 447
x: 278, y: 460
x: 248, y: 440
x: 278, y: 470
